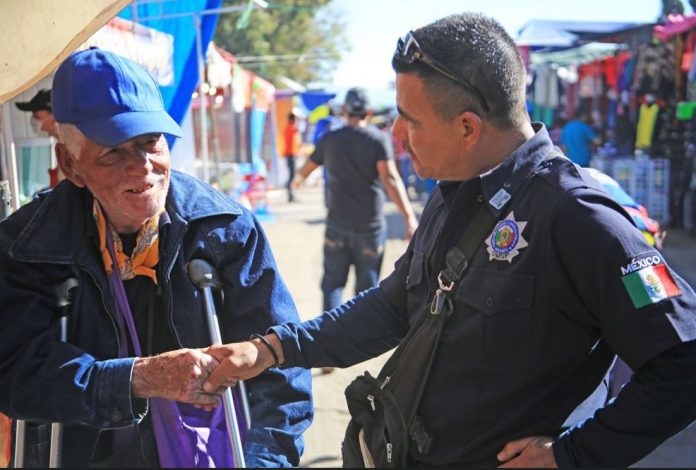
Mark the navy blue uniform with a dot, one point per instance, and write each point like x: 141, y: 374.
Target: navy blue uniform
x: 563, y: 269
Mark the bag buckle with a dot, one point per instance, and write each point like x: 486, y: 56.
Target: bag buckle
x: 441, y: 295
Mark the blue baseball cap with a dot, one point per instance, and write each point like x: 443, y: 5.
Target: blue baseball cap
x: 111, y: 99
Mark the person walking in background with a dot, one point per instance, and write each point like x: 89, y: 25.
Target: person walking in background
x: 359, y: 161
x: 42, y: 120
x: 578, y: 139
x: 559, y: 281
x: 291, y: 149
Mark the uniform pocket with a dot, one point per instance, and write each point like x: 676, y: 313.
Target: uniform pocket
x: 497, y: 307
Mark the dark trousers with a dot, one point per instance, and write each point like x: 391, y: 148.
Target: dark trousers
x: 343, y: 249
x: 291, y: 175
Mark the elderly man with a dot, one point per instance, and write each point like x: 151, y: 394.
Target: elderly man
x: 557, y: 281
x: 125, y: 226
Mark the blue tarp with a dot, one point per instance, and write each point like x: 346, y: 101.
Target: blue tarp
x: 177, y: 97
x: 313, y: 99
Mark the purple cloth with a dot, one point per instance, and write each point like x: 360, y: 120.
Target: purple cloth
x: 187, y: 437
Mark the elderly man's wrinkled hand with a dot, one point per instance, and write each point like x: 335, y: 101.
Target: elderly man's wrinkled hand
x: 175, y: 375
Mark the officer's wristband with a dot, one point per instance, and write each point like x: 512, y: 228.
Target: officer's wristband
x: 269, y: 346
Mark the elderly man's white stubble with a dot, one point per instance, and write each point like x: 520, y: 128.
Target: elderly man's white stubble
x: 129, y: 180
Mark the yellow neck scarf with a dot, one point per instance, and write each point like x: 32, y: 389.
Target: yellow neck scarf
x: 145, y: 256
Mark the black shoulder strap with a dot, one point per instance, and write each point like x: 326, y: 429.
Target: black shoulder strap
x: 456, y: 262
x: 458, y: 257
x: 472, y: 238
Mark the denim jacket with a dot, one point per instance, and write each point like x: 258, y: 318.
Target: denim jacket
x: 83, y: 383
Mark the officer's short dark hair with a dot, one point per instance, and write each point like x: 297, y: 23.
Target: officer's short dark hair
x: 479, y: 50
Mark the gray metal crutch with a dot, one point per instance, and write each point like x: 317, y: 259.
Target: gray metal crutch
x: 65, y: 296
x: 205, y: 278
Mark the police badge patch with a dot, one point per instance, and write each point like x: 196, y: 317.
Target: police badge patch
x: 506, y: 240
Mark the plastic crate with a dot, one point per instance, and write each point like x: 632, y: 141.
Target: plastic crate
x: 622, y: 172
x: 647, y: 181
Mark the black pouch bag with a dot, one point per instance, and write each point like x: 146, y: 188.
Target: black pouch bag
x: 384, y: 425
x: 383, y: 421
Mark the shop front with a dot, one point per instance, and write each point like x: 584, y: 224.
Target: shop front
x: 637, y: 83
x: 160, y: 36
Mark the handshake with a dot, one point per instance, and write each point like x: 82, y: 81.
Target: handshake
x: 200, y: 376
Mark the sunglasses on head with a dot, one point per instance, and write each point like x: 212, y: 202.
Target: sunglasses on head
x: 408, y: 51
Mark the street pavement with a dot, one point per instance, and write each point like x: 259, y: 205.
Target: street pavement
x: 295, y: 231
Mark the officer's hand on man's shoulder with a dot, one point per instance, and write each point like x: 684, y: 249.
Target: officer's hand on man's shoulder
x: 529, y: 452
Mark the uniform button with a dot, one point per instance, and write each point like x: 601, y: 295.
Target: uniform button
x: 116, y: 416
x: 407, y: 279
x: 490, y: 302
x: 479, y: 198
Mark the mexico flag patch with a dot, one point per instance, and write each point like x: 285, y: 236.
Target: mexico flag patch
x: 648, y: 281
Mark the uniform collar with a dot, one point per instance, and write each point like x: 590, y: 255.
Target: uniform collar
x: 502, y: 182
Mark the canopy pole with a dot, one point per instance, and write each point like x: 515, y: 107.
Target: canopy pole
x: 202, y: 98
x: 10, y: 163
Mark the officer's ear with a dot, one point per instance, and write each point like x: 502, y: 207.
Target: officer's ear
x: 66, y: 162
x: 470, y: 126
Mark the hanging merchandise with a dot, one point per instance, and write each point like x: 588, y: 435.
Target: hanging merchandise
x: 590, y: 80
x: 654, y: 72
x: 687, y: 57
x: 647, y: 117
x: 626, y: 71
x: 625, y: 130
x: 546, y: 96
x: 571, y: 98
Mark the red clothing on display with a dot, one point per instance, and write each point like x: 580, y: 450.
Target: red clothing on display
x: 612, y: 66
x: 688, y: 55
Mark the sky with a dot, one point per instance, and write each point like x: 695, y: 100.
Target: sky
x: 373, y: 27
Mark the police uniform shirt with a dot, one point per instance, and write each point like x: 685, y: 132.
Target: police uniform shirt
x: 557, y: 273
x: 563, y: 268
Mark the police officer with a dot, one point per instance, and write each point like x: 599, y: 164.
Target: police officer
x: 560, y: 284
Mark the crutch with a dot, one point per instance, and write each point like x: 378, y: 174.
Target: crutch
x: 205, y: 278
x: 65, y: 295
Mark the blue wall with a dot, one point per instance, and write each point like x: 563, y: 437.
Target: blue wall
x: 177, y: 97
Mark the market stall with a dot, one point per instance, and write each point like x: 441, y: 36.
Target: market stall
x: 161, y: 36
x: 630, y: 79
x: 240, y: 108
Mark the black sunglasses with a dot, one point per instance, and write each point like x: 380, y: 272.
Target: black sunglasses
x: 408, y: 51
